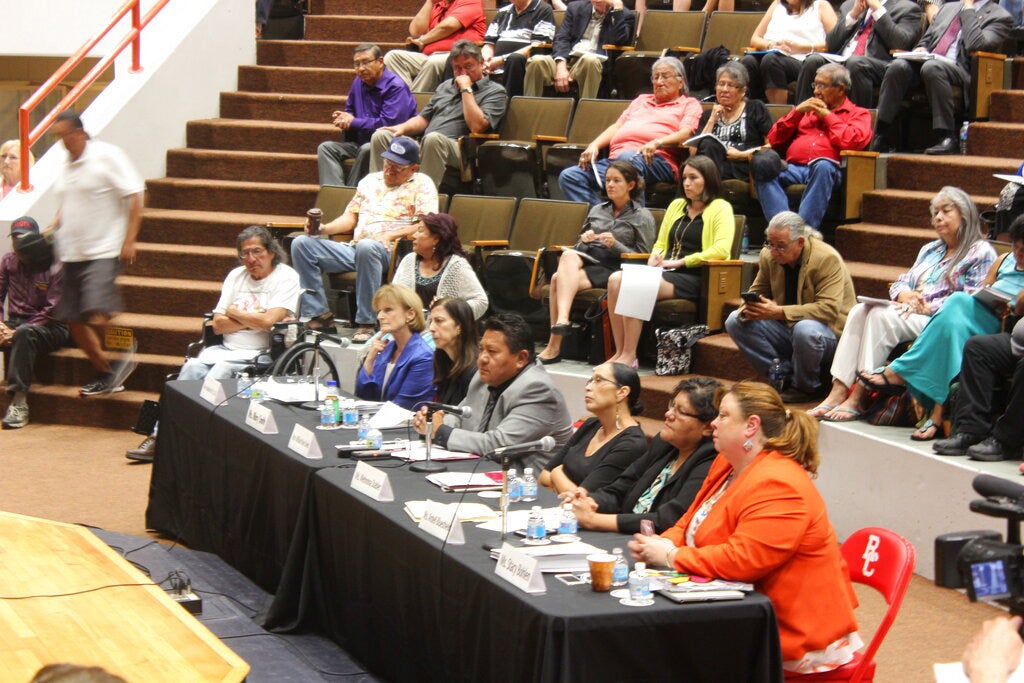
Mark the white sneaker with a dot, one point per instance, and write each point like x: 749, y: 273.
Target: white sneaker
x: 16, y: 417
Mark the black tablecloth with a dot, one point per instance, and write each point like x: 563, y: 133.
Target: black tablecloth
x: 390, y: 594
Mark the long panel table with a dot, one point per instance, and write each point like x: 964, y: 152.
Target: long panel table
x: 396, y: 599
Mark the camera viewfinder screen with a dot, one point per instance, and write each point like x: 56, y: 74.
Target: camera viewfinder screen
x: 989, y: 579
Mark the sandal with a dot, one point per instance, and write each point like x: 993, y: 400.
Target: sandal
x: 887, y: 388
x: 919, y: 433
x: 363, y: 335
x: 819, y: 411
x: 322, y: 321
x: 854, y: 415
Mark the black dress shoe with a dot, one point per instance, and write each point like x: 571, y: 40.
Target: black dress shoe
x: 880, y: 144
x: 794, y: 395
x: 550, y: 361
x: 992, y: 450
x: 561, y: 330
x: 956, y: 444
x: 948, y: 145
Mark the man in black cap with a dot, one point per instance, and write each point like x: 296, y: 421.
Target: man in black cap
x: 31, y: 284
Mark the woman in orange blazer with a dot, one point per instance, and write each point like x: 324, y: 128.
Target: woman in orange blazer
x: 759, y: 518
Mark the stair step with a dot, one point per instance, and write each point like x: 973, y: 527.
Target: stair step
x: 906, y: 207
x: 70, y: 366
x: 998, y: 139
x: 859, y: 242
x: 172, y: 260
x: 279, y: 106
x: 294, y: 79
x: 62, y: 404
x: 184, y: 226
x: 165, y: 335
x: 169, y: 296
x: 258, y: 136
x: 226, y: 195
x: 330, y: 54
x: 971, y: 173
x: 718, y: 356
x: 403, y: 7
x: 218, y: 164
x: 870, y: 279
x: 1007, y: 105
x: 347, y: 28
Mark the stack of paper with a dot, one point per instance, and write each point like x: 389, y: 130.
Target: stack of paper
x: 390, y: 416
x: 418, y: 453
x: 463, y: 481
x: 468, y: 512
x: 558, y: 557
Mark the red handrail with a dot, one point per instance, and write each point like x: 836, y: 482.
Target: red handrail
x: 133, y: 37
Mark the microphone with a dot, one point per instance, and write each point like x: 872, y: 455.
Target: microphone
x: 997, y: 487
x: 461, y: 411
x: 543, y: 445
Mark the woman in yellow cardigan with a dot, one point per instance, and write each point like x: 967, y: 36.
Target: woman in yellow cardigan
x: 698, y: 227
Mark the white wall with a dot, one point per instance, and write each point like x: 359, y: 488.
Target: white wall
x: 190, y: 53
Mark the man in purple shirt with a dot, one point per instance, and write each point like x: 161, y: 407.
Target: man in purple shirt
x: 31, y: 284
x: 377, y: 98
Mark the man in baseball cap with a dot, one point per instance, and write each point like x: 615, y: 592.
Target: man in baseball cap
x: 26, y: 225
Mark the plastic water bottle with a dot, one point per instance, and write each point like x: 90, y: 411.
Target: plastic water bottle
x: 244, y: 386
x: 745, y: 242
x: 515, y: 492
x: 568, y: 525
x: 775, y: 376
x: 536, y: 531
x: 963, y: 136
x: 639, y: 583
x: 327, y: 415
x: 331, y: 396
x: 350, y: 416
x: 620, y: 573
x: 374, y: 439
x: 363, y: 428
x: 528, y: 487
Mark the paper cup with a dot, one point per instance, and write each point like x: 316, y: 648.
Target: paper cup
x: 601, y: 568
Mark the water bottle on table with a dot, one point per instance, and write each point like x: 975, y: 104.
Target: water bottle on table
x: 568, y: 525
x: 640, y: 585
x: 536, y: 531
x: 528, y: 487
x: 620, y: 574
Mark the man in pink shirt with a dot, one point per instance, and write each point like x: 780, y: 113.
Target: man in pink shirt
x: 647, y: 135
x: 436, y: 27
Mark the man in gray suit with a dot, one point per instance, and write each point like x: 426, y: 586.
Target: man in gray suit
x: 958, y: 29
x: 513, y: 400
x: 866, y: 32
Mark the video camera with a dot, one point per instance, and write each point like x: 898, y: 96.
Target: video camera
x: 990, y: 568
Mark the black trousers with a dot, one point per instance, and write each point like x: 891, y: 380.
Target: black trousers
x: 987, y: 363
x: 30, y: 341
x: 938, y: 78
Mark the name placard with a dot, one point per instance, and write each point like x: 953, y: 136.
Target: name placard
x: 372, y: 482
x: 442, y: 521
x: 303, y: 442
x: 260, y: 418
x: 212, y: 391
x: 520, y: 570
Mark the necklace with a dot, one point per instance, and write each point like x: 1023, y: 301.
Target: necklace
x: 678, y: 236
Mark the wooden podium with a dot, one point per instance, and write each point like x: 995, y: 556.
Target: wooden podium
x: 135, y: 631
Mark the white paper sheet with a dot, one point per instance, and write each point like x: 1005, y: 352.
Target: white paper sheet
x: 391, y: 415
x: 639, y: 291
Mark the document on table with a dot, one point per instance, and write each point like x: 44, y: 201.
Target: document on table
x: 391, y: 416
x: 558, y: 557
x: 418, y: 453
x: 463, y: 481
x: 517, y: 520
x: 468, y: 512
x: 638, y: 291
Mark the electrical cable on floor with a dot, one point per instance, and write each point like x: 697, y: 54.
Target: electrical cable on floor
x: 297, y: 652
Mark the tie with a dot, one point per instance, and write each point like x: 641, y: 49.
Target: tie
x: 948, y: 38
x: 485, y: 419
x: 862, y: 37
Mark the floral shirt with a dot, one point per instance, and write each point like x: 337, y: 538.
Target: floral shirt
x: 381, y: 208
x: 926, y: 275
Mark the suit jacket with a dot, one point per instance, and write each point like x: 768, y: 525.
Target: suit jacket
x: 771, y: 528
x: 411, y: 381
x: 824, y: 287
x: 672, y: 500
x: 898, y: 28
x: 617, y: 28
x: 982, y: 30
x: 529, y: 408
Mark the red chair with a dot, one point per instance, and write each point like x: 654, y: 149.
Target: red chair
x: 885, y: 561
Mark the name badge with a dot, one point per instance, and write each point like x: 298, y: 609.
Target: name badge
x: 442, y: 521
x: 212, y: 391
x: 372, y: 482
x: 260, y: 418
x: 303, y: 442
x: 520, y: 570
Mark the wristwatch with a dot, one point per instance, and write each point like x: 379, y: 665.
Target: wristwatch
x: 469, y: 90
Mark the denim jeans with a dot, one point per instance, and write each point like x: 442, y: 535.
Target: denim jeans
x: 312, y: 256
x: 820, y: 177
x: 580, y: 185
x: 804, y: 349
x: 197, y: 368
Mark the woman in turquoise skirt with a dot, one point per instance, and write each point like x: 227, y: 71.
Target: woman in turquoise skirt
x: 934, y: 359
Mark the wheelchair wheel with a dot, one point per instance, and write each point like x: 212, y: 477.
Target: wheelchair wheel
x: 300, y: 359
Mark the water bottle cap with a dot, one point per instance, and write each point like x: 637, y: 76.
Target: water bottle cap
x: 640, y: 566
x: 528, y: 470
x: 567, y: 506
x: 331, y: 383
x: 616, y: 551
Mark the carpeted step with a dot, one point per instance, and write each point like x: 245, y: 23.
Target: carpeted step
x: 717, y: 356
x: 280, y: 107
x: 930, y: 173
x: 227, y: 195
x: 1006, y: 105
x: 906, y: 207
x: 874, y: 280
x: 200, y: 262
x: 268, y: 167
x: 62, y: 404
x: 168, y: 296
x: 298, y: 80
x: 70, y: 366
x: 258, y: 136
x: 351, y: 27
x: 997, y: 139
x: 182, y: 226
x: 860, y: 242
x: 395, y: 7
x: 319, y: 53
x: 166, y: 335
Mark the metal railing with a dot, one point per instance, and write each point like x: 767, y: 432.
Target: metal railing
x: 133, y: 38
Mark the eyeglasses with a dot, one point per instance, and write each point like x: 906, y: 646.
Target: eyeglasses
x: 673, y: 409
x: 398, y: 167
x: 727, y: 85
x: 363, y: 63
x: 597, y: 378
x: 820, y: 86
x: 663, y: 77
x: 255, y: 252
x: 777, y: 247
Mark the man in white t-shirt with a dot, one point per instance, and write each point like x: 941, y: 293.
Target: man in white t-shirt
x: 99, y: 196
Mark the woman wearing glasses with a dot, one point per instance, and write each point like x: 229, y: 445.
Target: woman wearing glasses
x: 10, y: 166
x: 660, y: 485
x: 605, y: 444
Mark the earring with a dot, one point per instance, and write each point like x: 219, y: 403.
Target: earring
x: 748, y: 444
x: 618, y: 421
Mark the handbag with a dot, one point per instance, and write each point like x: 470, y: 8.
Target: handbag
x: 588, y: 338
x: 893, y: 411
x: 675, y: 348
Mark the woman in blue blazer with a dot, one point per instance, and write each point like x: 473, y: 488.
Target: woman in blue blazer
x: 399, y: 369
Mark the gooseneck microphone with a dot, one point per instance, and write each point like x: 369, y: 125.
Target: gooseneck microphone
x: 543, y: 445
x: 460, y: 411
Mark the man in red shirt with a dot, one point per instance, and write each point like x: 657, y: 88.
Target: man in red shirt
x: 816, y: 131
x: 433, y: 31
